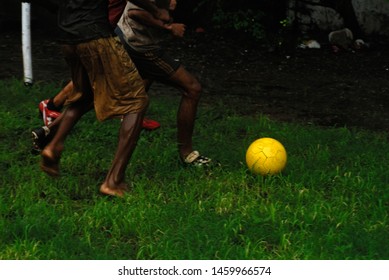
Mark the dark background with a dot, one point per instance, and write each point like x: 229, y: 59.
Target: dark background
x: 310, y: 86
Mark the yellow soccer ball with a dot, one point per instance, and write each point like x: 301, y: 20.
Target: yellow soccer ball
x: 266, y: 156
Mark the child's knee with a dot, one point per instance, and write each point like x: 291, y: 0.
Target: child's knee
x: 194, y: 90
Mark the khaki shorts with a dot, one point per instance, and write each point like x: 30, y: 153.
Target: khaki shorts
x: 103, y: 72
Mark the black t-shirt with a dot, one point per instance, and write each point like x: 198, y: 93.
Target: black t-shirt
x: 83, y: 20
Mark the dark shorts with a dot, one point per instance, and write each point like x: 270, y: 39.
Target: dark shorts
x: 153, y: 65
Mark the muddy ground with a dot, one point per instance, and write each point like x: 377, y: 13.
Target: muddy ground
x: 312, y: 86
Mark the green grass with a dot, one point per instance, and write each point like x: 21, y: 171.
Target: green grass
x: 331, y: 202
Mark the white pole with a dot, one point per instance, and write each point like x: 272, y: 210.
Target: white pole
x: 26, y: 43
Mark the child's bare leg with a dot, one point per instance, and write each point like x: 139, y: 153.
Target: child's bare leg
x: 128, y: 136
x: 51, y: 154
x: 60, y: 98
x: 187, y: 110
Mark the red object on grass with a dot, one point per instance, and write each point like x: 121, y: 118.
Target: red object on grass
x: 150, y: 124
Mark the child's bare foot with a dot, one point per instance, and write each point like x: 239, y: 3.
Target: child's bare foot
x: 50, y: 163
x: 119, y: 190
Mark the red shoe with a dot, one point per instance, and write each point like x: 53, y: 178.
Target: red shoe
x: 48, y: 116
x: 150, y: 124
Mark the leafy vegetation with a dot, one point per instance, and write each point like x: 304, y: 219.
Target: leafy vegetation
x: 226, y: 17
x: 247, y: 21
x: 330, y: 203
